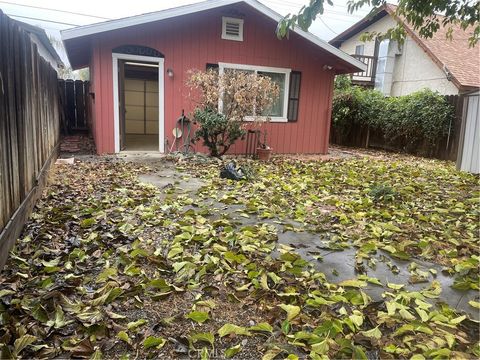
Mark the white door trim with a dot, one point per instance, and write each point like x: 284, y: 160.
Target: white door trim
x: 161, y: 97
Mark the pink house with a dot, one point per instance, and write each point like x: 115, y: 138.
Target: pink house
x: 139, y: 66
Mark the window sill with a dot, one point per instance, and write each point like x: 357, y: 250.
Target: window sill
x: 232, y: 38
x: 263, y: 119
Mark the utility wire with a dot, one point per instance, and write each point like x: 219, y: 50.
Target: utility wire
x: 332, y: 17
x: 328, y: 27
x: 38, y: 19
x: 50, y: 9
x: 327, y: 11
x: 302, y: 3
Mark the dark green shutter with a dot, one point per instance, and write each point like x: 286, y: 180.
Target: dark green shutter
x: 294, y: 95
x: 212, y: 66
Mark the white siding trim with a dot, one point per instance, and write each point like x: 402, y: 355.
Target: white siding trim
x: 161, y: 97
x: 116, y: 114
x: 254, y: 67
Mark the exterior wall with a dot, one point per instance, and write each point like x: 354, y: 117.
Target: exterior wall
x: 381, y: 26
x: 192, y: 41
x: 413, y: 70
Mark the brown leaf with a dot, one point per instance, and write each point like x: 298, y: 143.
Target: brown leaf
x: 83, y: 349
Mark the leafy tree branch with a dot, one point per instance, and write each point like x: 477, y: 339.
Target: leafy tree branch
x: 423, y: 16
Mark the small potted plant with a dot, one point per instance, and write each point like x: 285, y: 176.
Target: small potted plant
x: 264, y: 152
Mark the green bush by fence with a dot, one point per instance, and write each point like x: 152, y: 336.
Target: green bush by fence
x: 415, y: 123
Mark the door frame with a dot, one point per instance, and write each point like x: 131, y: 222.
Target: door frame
x: 161, y: 97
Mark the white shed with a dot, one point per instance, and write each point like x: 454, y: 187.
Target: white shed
x: 468, y: 158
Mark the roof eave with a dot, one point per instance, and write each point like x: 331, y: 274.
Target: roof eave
x: 116, y: 24
x: 88, y: 30
x: 358, y: 26
x: 76, y: 62
x: 309, y: 36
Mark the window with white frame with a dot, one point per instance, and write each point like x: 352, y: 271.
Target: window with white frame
x: 280, y: 76
x: 359, y: 49
x: 232, y: 29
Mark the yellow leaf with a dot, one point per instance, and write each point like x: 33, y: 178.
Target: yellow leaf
x: 292, y: 310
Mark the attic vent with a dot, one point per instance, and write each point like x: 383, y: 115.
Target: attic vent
x: 232, y: 29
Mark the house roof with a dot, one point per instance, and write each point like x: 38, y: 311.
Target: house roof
x: 357, y: 27
x: 43, y: 38
x: 454, y: 57
x: 88, y: 30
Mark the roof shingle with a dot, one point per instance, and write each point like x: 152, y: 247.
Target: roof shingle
x: 461, y: 60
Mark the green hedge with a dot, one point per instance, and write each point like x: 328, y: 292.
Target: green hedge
x: 424, y: 116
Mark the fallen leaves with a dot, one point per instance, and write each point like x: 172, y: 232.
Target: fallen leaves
x: 109, y: 267
x: 291, y: 310
x: 135, y: 324
x: 22, y: 342
x: 154, y: 342
x: 198, y: 316
x: 232, y: 329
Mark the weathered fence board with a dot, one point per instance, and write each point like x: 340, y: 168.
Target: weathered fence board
x: 446, y: 149
x: 29, y: 128
x: 74, y: 99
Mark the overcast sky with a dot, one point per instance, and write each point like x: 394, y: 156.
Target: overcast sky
x: 54, y: 15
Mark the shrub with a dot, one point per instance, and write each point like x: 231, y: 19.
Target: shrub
x: 242, y: 94
x: 217, y: 132
x: 342, y: 82
x: 381, y: 192
x: 421, y: 116
x: 353, y: 105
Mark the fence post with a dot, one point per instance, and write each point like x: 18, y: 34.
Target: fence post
x: 367, y: 140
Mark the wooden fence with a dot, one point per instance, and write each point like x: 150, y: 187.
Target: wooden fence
x: 446, y: 149
x: 29, y: 128
x: 75, y: 104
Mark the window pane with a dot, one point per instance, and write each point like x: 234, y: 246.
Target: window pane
x: 227, y: 98
x: 277, y: 107
x: 227, y: 70
x: 359, y: 49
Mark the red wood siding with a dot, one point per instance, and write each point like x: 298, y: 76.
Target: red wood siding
x: 192, y: 41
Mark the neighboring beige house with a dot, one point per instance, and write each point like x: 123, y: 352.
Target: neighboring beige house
x: 448, y: 66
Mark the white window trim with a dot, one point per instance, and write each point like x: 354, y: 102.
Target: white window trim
x: 225, y: 36
x: 255, y: 68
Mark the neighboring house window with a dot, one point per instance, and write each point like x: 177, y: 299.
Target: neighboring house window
x: 359, y: 49
x: 232, y: 29
x: 281, y: 76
